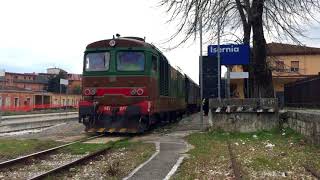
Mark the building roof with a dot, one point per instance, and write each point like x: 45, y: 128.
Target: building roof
x: 280, y: 49
x: 13, y: 88
x: 21, y: 74
x: 74, y: 77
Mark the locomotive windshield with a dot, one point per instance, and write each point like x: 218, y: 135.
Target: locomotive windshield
x: 97, y: 61
x: 130, y: 61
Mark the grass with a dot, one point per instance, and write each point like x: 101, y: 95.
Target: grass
x: 85, y: 148
x: 122, y: 158
x: 11, y: 148
x: 271, y: 154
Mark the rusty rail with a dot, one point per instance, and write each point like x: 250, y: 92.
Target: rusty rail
x: 312, y: 170
x: 5, y: 164
x: 234, y: 164
x: 68, y: 165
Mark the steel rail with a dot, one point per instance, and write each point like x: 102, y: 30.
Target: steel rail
x: 234, y: 164
x: 68, y: 165
x: 26, y: 129
x: 36, y: 154
x: 312, y: 170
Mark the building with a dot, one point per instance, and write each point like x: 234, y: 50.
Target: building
x: 74, y: 86
x: 27, y: 91
x: 55, y: 71
x: 288, y: 63
x: 28, y: 81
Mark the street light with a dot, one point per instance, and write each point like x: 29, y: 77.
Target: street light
x: 2, y: 76
x: 200, y: 72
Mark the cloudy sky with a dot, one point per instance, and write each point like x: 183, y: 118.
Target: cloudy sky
x: 37, y: 34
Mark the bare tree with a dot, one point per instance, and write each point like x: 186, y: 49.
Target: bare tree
x: 281, y: 19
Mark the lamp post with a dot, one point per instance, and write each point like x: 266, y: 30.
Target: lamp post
x: 2, y: 76
x: 200, y: 71
x: 219, y: 57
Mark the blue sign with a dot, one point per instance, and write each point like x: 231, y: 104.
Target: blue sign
x: 233, y: 54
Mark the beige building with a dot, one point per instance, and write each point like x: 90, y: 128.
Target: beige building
x: 288, y: 63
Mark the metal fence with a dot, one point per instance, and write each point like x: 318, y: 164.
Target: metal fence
x: 303, y: 93
x: 27, y: 108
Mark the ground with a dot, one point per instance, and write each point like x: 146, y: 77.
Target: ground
x: 275, y: 154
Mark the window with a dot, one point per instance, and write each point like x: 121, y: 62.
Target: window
x: 28, y: 101
x: 8, y: 101
x: 279, y: 66
x: 16, y: 102
x: 130, y: 61
x: 154, y: 65
x: 97, y: 61
x: 294, y: 66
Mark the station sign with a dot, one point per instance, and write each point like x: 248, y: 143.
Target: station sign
x: 64, y: 82
x: 232, y: 54
x: 239, y: 75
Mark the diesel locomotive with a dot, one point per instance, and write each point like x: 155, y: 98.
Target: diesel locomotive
x: 128, y: 85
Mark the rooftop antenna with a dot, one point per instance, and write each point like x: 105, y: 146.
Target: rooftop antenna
x: 118, y: 35
x: 112, y: 36
x: 144, y: 38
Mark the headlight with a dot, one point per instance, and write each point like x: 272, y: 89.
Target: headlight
x: 93, y: 92
x: 133, y: 92
x: 87, y: 92
x: 140, y: 91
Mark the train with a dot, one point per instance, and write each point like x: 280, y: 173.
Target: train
x: 128, y: 85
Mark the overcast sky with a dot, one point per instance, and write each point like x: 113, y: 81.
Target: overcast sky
x: 37, y: 34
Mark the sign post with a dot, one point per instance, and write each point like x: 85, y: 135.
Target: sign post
x: 201, y: 78
x: 63, y: 82
x: 2, y: 76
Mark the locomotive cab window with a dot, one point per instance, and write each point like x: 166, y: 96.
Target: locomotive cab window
x: 130, y: 61
x: 97, y: 61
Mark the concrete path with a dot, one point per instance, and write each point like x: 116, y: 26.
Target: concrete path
x: 170, y: 151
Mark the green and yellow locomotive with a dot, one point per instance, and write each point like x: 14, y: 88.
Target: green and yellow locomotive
x: 128, y: 85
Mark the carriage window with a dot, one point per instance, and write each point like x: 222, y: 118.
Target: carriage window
x: 97, y: 61
x: 130, y: 61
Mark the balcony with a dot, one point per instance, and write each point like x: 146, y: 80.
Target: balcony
x: 36, y: 81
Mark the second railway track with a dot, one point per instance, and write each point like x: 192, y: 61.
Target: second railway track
x: 45, y: 158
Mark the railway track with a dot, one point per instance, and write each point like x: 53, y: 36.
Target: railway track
x: 70, y: 164
x: 234, y: 164
x: 22, y: 161
x: 27, y: 130
x: 312, y: 170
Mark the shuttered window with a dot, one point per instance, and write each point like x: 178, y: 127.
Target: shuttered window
x: 294, y: 66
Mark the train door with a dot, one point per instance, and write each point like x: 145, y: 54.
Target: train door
x: 154, y: 69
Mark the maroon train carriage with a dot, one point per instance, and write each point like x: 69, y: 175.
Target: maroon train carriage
x: 129, y: 85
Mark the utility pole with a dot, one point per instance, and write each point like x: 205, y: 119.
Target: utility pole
x: 219, y: 58
x: 201, y: 73
x: 228, y: 81
x: 2, y: 76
